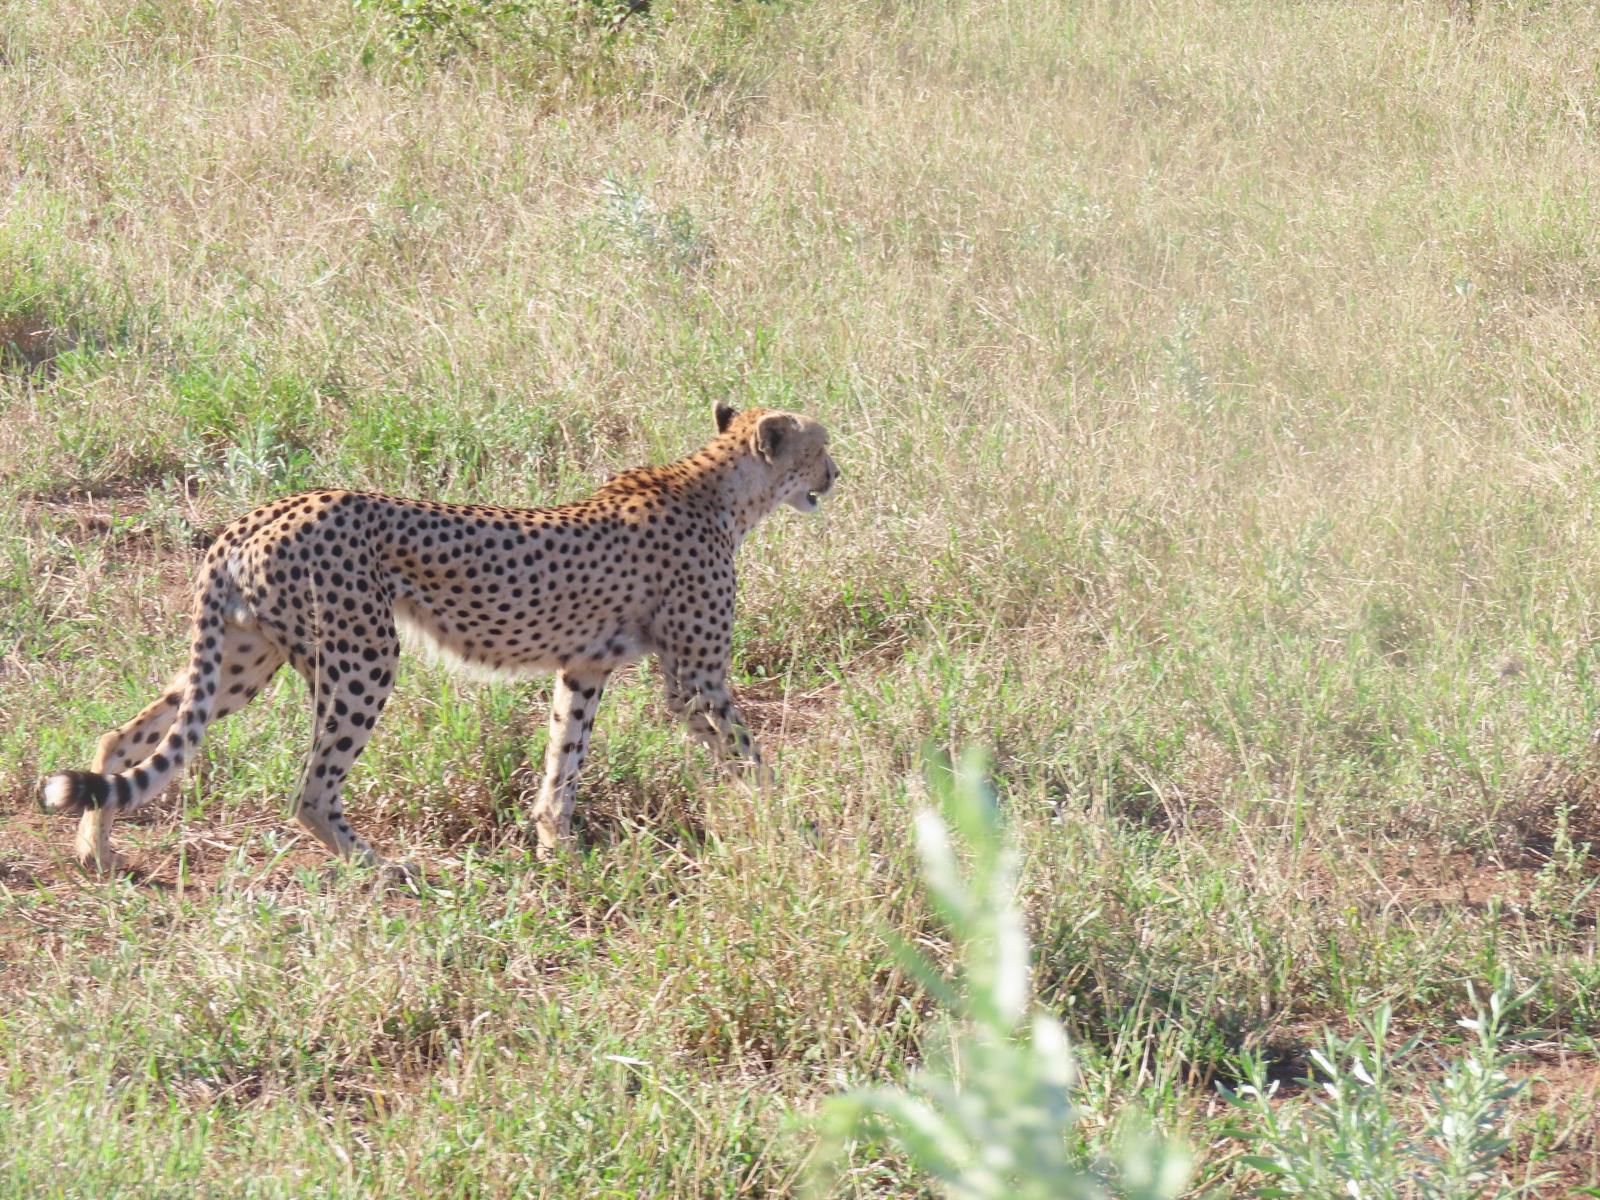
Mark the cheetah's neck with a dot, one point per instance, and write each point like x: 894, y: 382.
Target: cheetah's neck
x: 744, y: 488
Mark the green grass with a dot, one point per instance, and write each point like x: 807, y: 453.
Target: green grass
x: 1215, y: 391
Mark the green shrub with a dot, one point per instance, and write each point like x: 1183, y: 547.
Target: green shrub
x: 993, y: 1117
x: 1362, y: 1133
x: 415, y: 27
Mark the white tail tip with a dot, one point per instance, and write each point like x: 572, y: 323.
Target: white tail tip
x: 56, y: 794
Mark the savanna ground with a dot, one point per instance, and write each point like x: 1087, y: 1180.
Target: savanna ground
x: 1217, y: 391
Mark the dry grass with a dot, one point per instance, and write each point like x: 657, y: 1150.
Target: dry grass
x: 1216, y: 392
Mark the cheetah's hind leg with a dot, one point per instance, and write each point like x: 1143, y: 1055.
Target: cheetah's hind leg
x: 248, y: 663
x: 349, y: 689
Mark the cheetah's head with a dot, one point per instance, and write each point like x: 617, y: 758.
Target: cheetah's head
x: 794, y: 449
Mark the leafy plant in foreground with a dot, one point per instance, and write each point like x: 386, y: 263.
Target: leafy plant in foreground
x: 994, y: 1116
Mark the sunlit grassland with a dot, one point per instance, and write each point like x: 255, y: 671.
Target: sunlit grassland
x: 1215, y: 386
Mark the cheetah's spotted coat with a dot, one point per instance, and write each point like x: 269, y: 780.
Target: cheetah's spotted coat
x: 320, y: 580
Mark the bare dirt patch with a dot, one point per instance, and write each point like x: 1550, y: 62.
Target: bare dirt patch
x: 1562, y: 1097
x: 28, y: 343
x: 774, y: 710
x: 165, y: 850
x: 1424, y: 881
x: 1430, y: 879
x: 115, y: 514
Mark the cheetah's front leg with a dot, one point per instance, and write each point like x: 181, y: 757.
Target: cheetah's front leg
x: 704, y: 703
x: 572, y: 709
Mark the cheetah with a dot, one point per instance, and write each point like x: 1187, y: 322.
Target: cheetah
x: 324, y: 581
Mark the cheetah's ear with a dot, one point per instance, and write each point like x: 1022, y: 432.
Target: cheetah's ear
x: 772, y: 433
x: 725, y: 415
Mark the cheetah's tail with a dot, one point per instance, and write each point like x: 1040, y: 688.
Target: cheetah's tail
x: 127, y: 790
